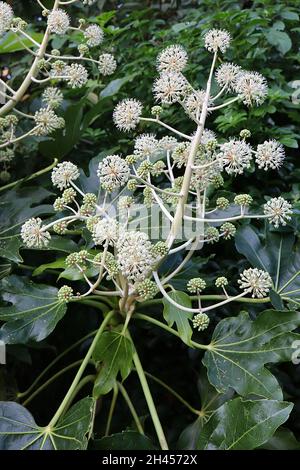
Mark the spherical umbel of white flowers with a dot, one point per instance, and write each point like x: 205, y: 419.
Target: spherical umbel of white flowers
x: 94, y: 35
x: 76, y: 75
x: 170, y: 87
x: 145, y: 146
x: 63, y: 174
x: 217, y: 40
x: 6, y: 17
x: 278, y: 211
x: 127, y: 114
x: 236, y: 156
x: 113, y: 172
x: 33, y: 235
x: 135, y: 258
x: 251, y: 88
x: 226, y: 75
x: 58, y: 21
x: 107, y: 64
x: 256, y: 281
x: 105, y: 231
x: 52, y: 97
x: 270, y: 154
x: 47, y: 121
x: 172, y: 59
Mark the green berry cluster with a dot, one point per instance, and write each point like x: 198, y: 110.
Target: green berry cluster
x: 196, y: 285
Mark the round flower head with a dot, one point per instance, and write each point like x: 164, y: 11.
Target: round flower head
x: 52, y: 97
x: 217, y: 39
x: 105, y: 231
x: 145, y: 145
x: 135, y: 259
x: 227, y: 230
x: 76, y: 75
x: 196, y: 285
x: 168, y: 144
x: 147, y: 289
x: 172, y: 59
x: 221, y: 281
x: 194, y: 102
x: 127, y: 114
x: 58, y: 21
x: 208, y: 137
x: 33, y: 235
x: 63, y: 174
x: 65, y: 294
x: 256, y: 281
x: 236, y: 156
x: 94, y: 35
x: 47, y: 121
x: 170, y: 87
x: 251, y: 88
x: 226, y: 75
x: 270, y: 154
x: 113, y: 172
x: 6, y: 17
x: 107, y: 64
x: 200, y: 321
x: 278, y: 210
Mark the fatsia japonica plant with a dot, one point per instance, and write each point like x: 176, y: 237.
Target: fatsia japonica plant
x: 49, y: 72
x: 130, y: 218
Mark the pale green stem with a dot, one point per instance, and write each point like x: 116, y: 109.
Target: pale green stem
x: 131, y: 408
x: 31, y: 177
x: 111, y: 409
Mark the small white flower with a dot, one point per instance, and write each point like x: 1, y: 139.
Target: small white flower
x: 170, y: 87
x: 251, y: 88
x: 53, y: 97
x: 256, y: 281
x: 47, y: 121
x: 172, y: 59
x: 168, y: 143
x: 270, y: 154
x: 278, y: 210
x: 107, y: 64
x: 226, y: 75
x: 94, y: 35
x: 63, y: 174
x: 76, y: 75
x: 236, y: 155
x: 33, y: 234
x: 6, y: 17
x: 127, y: 114
x: 113, y: 172
x: 145, y: 145
x: 208, y: 136
x: 105, y: 231
x: 193, y: 103
x: 134, y: 258
x: 217, y: 39
x: 58, y: 21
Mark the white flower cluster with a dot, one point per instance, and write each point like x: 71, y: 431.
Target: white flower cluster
x: 58, y: 21
x: 76, y: 75
x: 256, y: 281
x: 226, y: 75
x: 106, y: 230
x: 63, y: 174
x: 135, y: 258
x: 172, y: 59
x: 251, y: 87
x: 6, y: 17
x: 107, y: 64
x: 270, y: 154
x: 217, y: 40
x: 170, y: 87
x: 127, y: 114
x: 278, y: 211
x: 52, y: 97
x: 94, y: 35
x: 33, y: 234
x: 47, y: 121
x: 236, y: 155
x: 145, y: 146
x: 113, y: 172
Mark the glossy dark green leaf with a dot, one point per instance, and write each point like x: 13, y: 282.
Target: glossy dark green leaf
x: 34, y: 313
x: 278, y: 255
x: 114, y: 353
x: 173, y: 314
x: 243, y: 425
x: 19, y: 431
x: 12, y: 43
x: 5, y: 268
x: 283, y: 439
x: 240, y: 348
x: 126, y: 440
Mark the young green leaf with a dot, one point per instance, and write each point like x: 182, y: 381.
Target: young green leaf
x: 173, y: 315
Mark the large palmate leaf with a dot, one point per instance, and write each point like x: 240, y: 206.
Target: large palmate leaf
x: 114, y: 351
x: 173, y: 314
x: 243, y: 425
x: 19, y: 431
x: 240, y: 348
x: 279, y: 256
x: 17, y: 206
x: 34, y: 312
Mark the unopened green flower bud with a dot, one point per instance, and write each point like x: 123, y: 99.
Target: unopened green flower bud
x: 131, y: 159
x: 228, y: 230
x: 218, y: 181
x: 222, y: 203
x: 55, y: 52
x: 61, y: 227
x: 196, y: 285
x: 221, y: 281
x: 243, y: 200
x: 131, y: 185
x: 91, y: 222
x: 71, y: 260
x: 83, y: 49
x: 65, y: 294
x: 160, y: 249
x: 69, y: 195
x: 86, y: 209
x: 90, y: 199
x: 156, y: 111
x: 245, y: 134
x: 147, y: 289
x: 158, y: 168
x: 200, y: 321
x: 144, y: 169
x: 59, y: 204
x: 5, y: 176
x: 212, y: 234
